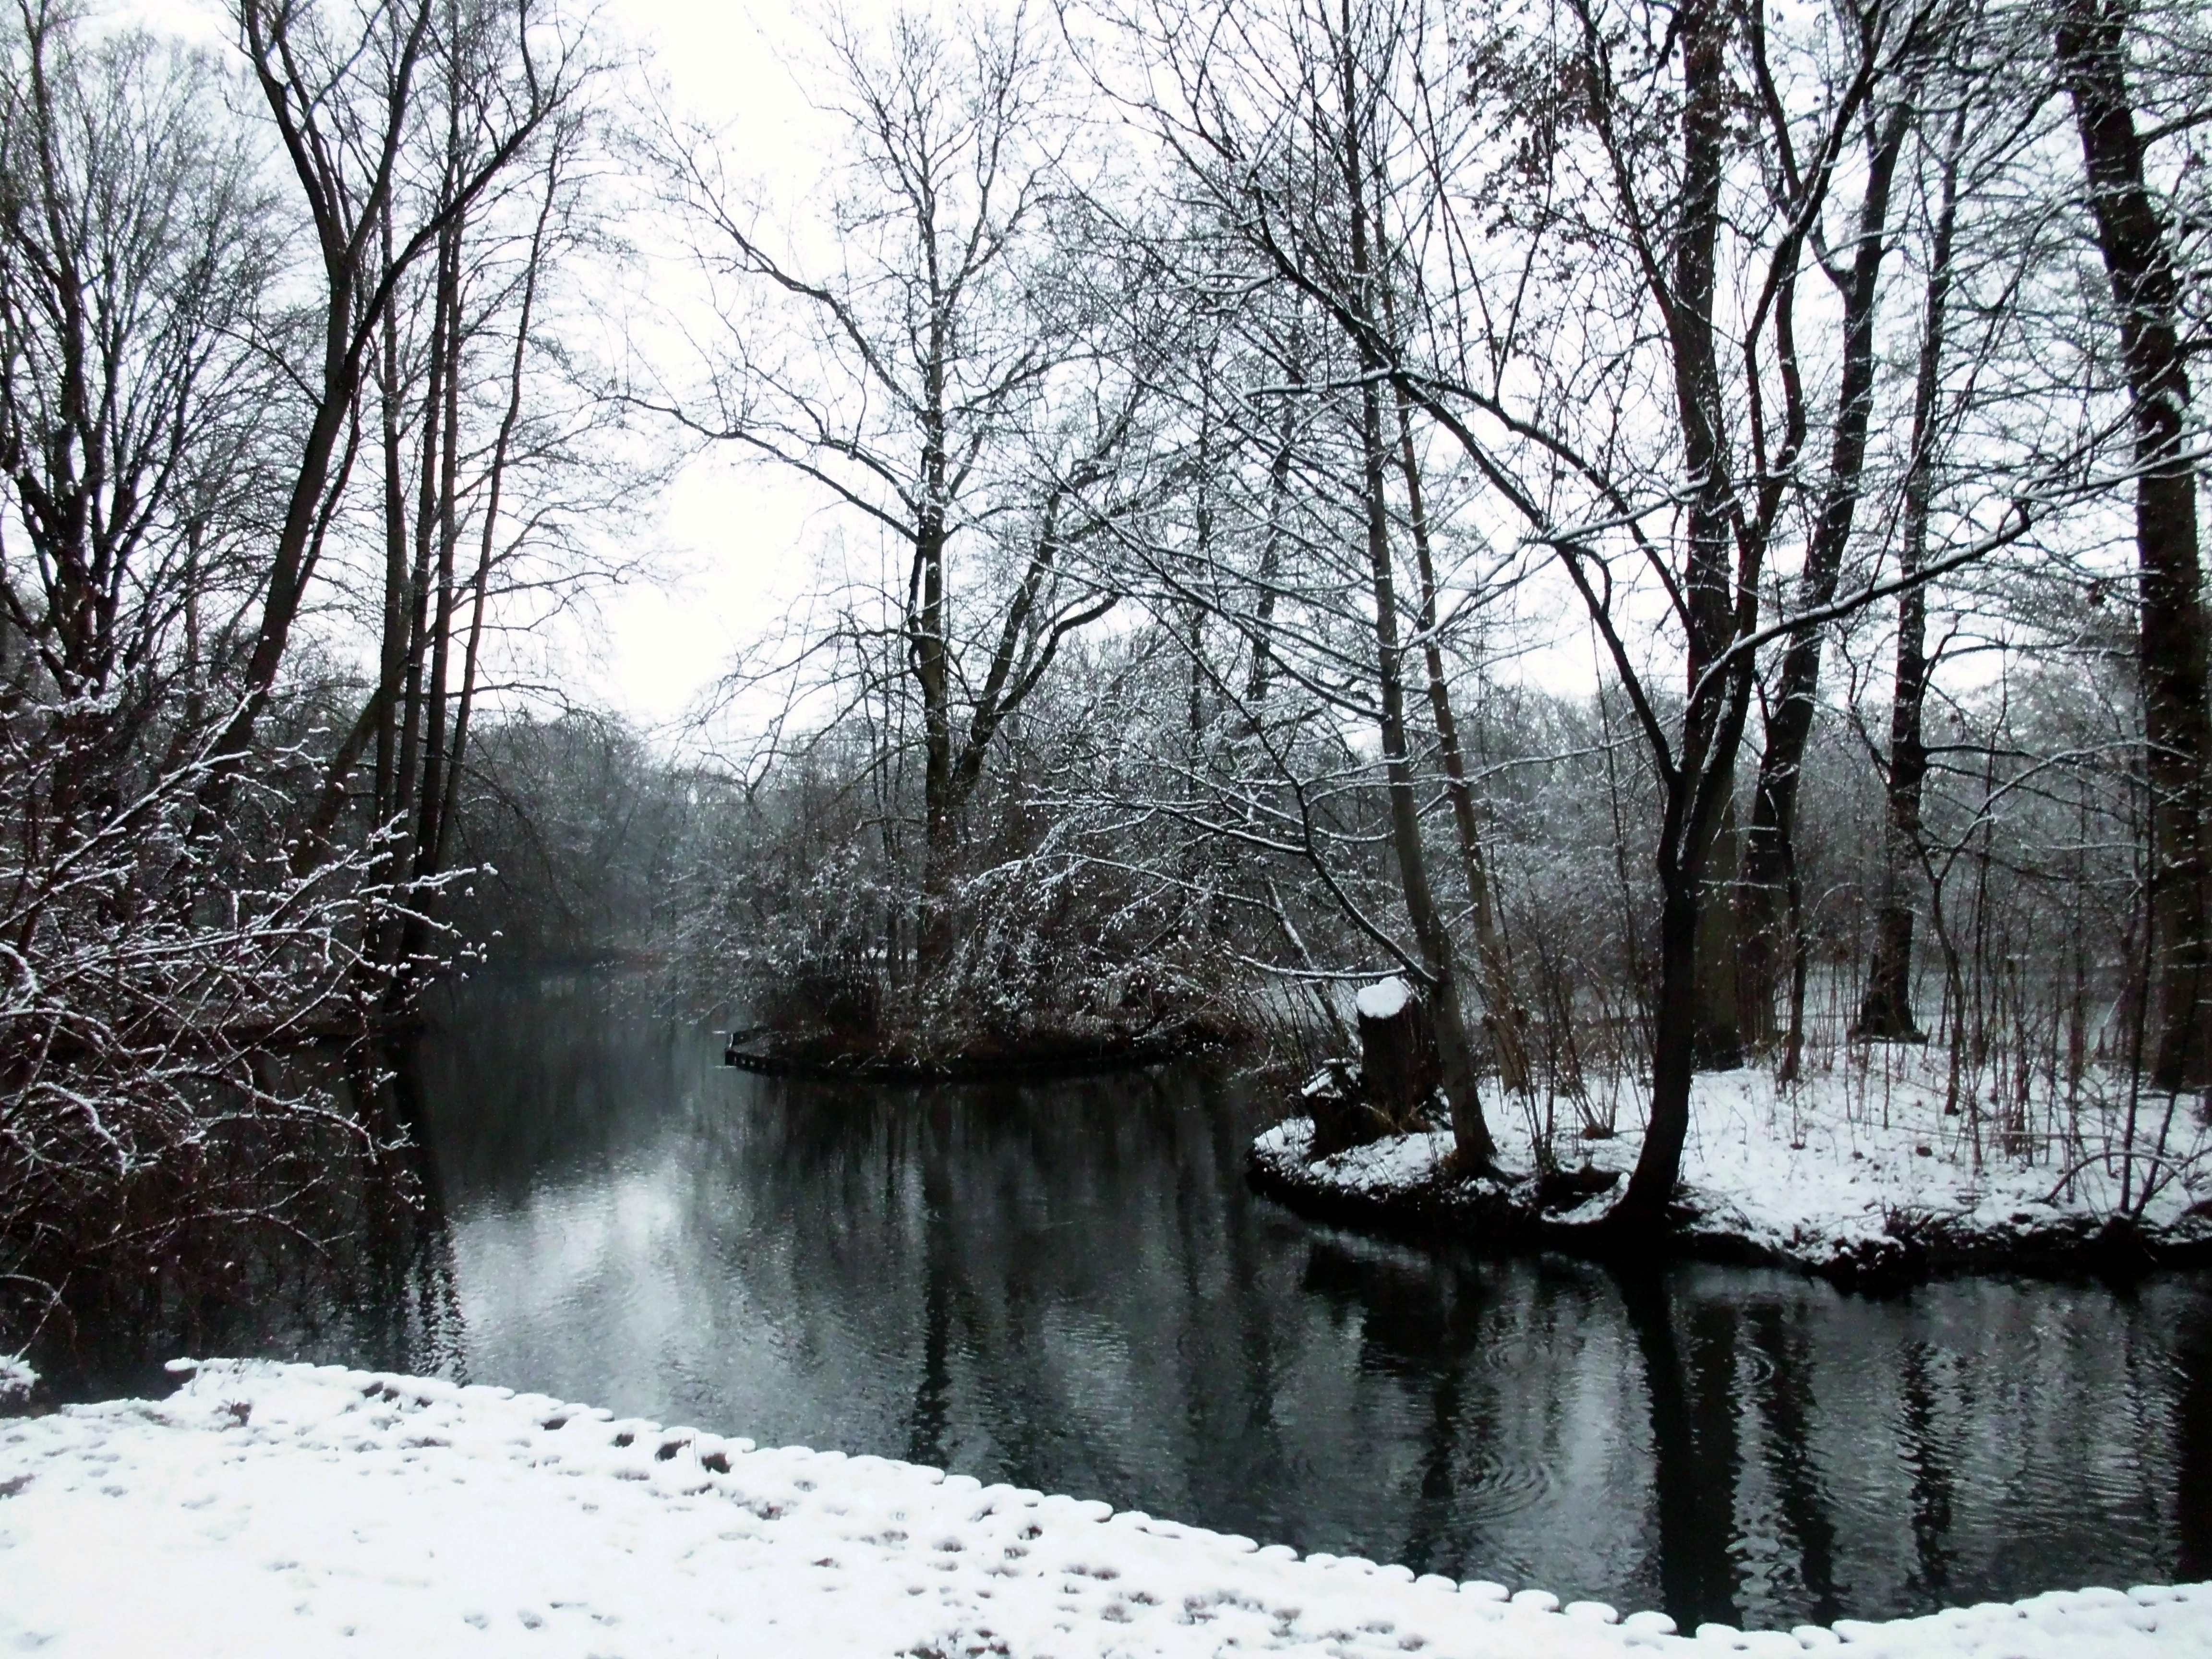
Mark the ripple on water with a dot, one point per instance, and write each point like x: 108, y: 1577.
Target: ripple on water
x: 1492, y: 1485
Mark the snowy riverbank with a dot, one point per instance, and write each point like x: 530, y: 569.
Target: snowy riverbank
x: 1858, y: 1174
x: 297, y: 1510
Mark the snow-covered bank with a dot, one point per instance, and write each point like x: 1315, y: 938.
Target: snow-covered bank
x: 297, y: 1510
x: 1857, y: 1174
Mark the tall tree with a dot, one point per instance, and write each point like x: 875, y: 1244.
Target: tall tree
x: 2091, y: 37
x: 1768, y: 851
x: 1886, y: 1010
x: 1366, y: 288
x: 137, y: 249
x: 923, y: 390
x: 344, y: 92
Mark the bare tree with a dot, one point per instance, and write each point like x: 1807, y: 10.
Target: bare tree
x: 1767, y: 853
x: 137, y: 249
x: 941, y: 386
x: 2134, y: 239
x: 346, y: 95
x: 1887, y: 1009
x: 147, y: 972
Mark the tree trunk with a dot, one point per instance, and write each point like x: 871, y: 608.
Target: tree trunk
x: 438, y: 527
x: 1259, y: 679
x: 2132, y: 236
x: 1430, y: 932
x: 932, y: 673
x: 1490, y: 949
x: 1643, y: 1206
x: 1708, y: 593
x: 1701, y: 790
x: 436, y: 707
x: 391, y: 661
x: 1886, y: 1010
x: 406, y: 782
x: 1767, y: 849
x: 488, y: 531
x: 1400, y: 1065
x: 1717, y: 1044
x: 1470, y: 1134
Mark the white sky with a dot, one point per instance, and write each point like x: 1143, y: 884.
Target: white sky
x: 739, y: 536
x: 737, y: 540
x: 730, y: 549
x: 732, y: 542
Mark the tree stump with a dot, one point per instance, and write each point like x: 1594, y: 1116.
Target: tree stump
x: 1340, y: 1117
x: 1400, y: 1065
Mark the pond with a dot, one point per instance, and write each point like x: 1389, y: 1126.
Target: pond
x: 1069, y: 1286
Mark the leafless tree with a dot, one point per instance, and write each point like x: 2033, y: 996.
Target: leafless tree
x: 933, y: 370
x: 350, y: 94
x: 2092, y: 43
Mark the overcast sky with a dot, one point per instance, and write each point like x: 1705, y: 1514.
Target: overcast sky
x: 738, y: 534
x: 733, y: 542
x: 730, y: 548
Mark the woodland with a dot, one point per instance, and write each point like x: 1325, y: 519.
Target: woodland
x: 1672, y: 529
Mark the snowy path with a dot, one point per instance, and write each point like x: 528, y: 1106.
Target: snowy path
x: 301, y: 1511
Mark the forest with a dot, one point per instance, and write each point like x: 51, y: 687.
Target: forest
x: 1670, y: 529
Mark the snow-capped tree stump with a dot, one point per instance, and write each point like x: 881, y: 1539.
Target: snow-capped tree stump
x: 1399, y: 1066
x: 1340, y: 1117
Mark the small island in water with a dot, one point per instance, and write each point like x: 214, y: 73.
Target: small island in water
x: 1431, y: 781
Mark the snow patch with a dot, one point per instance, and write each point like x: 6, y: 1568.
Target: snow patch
x: 1384, y: 999
x: 297, y: 1510
x: 17, y: 1379
x: 1856, y: 1164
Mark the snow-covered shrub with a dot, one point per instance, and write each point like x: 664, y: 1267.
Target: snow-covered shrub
x: 166, y: 974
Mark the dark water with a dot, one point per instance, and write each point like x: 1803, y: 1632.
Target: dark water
x: 1070, y: 1287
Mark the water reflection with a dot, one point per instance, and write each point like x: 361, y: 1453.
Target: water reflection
x: 1071, y: 1288
x: 362, y: 1269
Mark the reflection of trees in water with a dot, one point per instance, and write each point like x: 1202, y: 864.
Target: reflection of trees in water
x: 1071, y: 1287
x: 941, y: 1288
x: 1053, y: 1267
x: 1746, y: 1448
x: 2193, y: 1446
x: 1929, y: 1460
x: 372, y: 1286
x: 1718, y: 1374
x: 1814, y: 1454
x: 1426, y: 1328
x: 1098, y: 1304
x: 408, y: 1303
x: 1694, y: 1454
x: 519, y: 1085
x: 1781, y: 1391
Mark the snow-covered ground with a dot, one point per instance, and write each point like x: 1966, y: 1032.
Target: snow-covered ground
x: 1859, y: 1167
x: 298, y: 1510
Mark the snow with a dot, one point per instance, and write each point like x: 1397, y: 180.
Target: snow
x: 1390, y: 1164
x: 268, y: 1509
x: 1384, y: 999
x: 1816, y: 1170
x: 17, y: 1379
x: 1844, y: 1166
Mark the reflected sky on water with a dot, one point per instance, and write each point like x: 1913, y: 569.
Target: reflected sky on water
x: 1069, y: 1286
